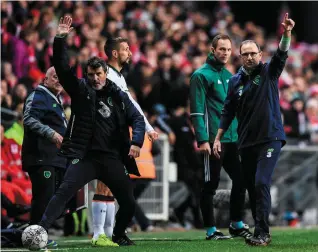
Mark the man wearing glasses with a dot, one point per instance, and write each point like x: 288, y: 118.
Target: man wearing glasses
x: 253, y: 98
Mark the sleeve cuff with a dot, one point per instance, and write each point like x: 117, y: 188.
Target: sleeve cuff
x: 224, y: 124
x: 60, y: 36
x: 202, y: 142
x: 137, y: 144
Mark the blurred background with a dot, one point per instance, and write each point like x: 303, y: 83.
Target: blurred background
x: 169, y: 40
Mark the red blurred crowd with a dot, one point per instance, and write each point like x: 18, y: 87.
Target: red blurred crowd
x: 169, y: 40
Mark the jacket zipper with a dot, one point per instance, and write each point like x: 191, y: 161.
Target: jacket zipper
x: 72, y: 127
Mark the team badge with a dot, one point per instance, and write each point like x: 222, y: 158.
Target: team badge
x: 257, y: 80
x: 75, y: 161
x: 110, y: 101
x: 47, y: 174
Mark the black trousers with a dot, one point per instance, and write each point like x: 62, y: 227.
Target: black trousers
x: 258, y: 163
x: 231, y: 164
x: 45, y: 180
x: 112, y: 173
x: 140, y: 186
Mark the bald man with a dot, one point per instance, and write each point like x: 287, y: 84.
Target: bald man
x: 44, y: 127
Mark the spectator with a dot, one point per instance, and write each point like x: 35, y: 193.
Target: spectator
x: 16, y: 131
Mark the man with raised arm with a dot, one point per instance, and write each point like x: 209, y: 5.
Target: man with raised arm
x: 254, y: 99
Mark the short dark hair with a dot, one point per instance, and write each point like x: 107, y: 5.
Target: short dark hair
x: 250, y: 41
x: 218, y: 37
x: 95, y: 63
x: 113, y: 44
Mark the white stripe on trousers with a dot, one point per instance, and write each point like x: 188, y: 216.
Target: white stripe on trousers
x: 207, y: 176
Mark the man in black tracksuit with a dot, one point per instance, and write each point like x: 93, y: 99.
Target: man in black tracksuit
x: 44, y: 127
x: 254, y: 99
x: 97, y: 138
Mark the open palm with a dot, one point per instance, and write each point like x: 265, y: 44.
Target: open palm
x: 64, y: 27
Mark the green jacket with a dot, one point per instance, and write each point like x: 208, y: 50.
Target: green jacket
x: 208, y: 90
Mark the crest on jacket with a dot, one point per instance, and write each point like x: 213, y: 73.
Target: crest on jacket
x: 104, y: 110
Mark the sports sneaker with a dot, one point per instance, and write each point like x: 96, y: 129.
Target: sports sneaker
x: 242, y: 232
x: 103, y: 241
x: 260, y: 240
x: 123, y: 240
x: 51, y: 244
x: 217, y: 235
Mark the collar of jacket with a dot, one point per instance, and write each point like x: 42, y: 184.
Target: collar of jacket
x: 254, y: 72
x: 46, y: 89
x: 214, y: 63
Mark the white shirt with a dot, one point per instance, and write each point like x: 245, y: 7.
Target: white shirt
x: 120, y: 81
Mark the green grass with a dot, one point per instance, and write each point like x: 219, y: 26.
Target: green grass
x: 193, y: 241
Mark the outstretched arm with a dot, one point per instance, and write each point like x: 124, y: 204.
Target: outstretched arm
x: 60, y: 58
x: 278, y: 61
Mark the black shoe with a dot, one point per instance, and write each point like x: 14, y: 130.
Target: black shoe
x: 217, y: 235
x: 123, y: 240
x: 259, y: 240
x: 242, y: 232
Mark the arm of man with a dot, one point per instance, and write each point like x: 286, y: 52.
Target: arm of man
x: 198, y: 92
x: 135, y: 120
x: 35, y: 109
x: 60, y: 58
x: 149, y: 128
x: 279, y: 59
x: 227, y: 116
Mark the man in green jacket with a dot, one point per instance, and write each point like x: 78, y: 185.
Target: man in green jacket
x: 208, y: 90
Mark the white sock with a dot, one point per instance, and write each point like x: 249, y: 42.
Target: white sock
x: 109, y: 219
x: 99, y: 214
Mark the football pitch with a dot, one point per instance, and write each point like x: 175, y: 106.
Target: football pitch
x: 284, y: 240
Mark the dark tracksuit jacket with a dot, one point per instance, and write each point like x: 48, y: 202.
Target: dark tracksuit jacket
x: 78, y: 136
x: 254, y: 100
x: 43, y: 115
x: 111, y: 108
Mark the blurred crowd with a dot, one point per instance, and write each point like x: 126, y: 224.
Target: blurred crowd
x: 169, y: 40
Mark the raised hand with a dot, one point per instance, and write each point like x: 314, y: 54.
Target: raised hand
x: 64, y: 27
x: 288, y: 23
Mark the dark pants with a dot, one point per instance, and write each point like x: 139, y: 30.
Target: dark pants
x: 231, y: 164
x: 140, y: 187
x: 79, y: 173
x: 45, y: 180
x: 258, y: 163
